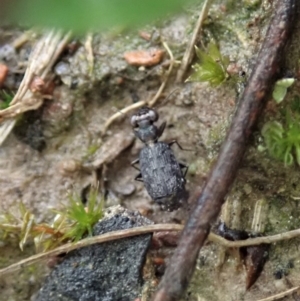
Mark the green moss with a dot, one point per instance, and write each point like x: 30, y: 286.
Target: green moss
x: 82, y: 219
x: 211, y: 67
x: 5, y: 99
x: 283, y: 139
x: 71, y: 223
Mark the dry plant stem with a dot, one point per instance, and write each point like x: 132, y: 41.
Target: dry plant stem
x: 211, y: 237
x: 139, y: 104
x: 254, y: 241
x: 22, y: 39
x: 222, y: 175
x: 41, y: 61
x: 90, y: 55
x: 153, y: 101
x: 90, y: 241
x: 281, y: 295
x: 189, y: 52
x: 133, y: 232
x: 115, y: 116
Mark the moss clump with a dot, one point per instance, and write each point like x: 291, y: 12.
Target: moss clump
x: 69, y: 224
x: 82, y: 218
x: 211, y: 67
x: 283, y: 139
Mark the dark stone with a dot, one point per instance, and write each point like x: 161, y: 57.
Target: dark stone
x: 108, y: 272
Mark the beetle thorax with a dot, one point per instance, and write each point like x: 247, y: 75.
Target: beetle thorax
x: 147, y: 132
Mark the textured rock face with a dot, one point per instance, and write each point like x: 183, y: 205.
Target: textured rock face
x: 106, y: 272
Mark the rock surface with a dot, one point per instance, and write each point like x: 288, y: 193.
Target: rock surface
x: 108, y: 272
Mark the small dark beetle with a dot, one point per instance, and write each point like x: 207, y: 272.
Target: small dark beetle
x: 159, y: 170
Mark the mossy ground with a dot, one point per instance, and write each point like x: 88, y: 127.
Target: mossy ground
x: 197, y: 115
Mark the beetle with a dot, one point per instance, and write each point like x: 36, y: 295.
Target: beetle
x: 162, y: 174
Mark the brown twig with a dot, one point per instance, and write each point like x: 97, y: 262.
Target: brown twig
x: 222, y: 175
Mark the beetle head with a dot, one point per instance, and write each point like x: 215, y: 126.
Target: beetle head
x: 143, y: 124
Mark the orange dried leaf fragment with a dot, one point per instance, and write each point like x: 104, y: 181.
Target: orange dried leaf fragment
x: 144, y: 57
x: 3, y: 73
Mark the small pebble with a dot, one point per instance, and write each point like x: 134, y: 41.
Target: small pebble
x: 62, y: 68
x: 68, y: 167
x: 7, y: 53
x: 126, y: 190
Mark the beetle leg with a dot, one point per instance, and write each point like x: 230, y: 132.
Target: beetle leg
x: 175, y: 142
x: 161, y: 129
x: 139, y: 178
x: 134, y: 162
x: 183, y: 166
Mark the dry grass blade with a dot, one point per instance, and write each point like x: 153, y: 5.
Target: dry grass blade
x: 189, y: 52
x: 280, y: 295
x: 114, y: 235
x: 89, y: 241
x: 254, y: 241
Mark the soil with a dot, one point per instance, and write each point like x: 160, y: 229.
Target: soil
x: 34, y: 158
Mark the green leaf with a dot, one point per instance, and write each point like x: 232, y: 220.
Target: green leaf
x: 280, y: 89
x: 272, y: 130
x: 283, y: 142
x: 288, y: 158
x: 214, y: 52
x: 297, y: 148
x: 279, y: 93
x: 80, y: 16
x: 285, y: 82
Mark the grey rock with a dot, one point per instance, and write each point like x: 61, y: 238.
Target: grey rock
x: 108, y: 272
